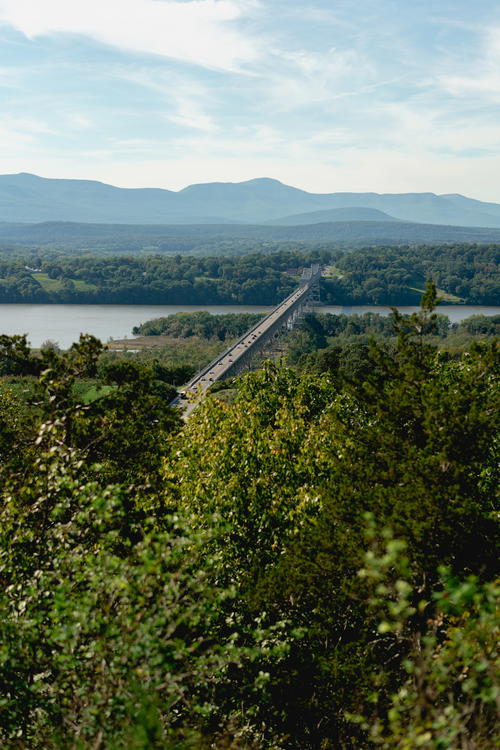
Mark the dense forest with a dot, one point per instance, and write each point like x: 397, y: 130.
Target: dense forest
x: 310, y: 565
x: 398, y: 275
x: 251, y: 279
x: 463, y: 273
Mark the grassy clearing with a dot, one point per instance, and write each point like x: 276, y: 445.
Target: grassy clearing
x: 50, y: 285
x: 332, y: 272
x: 445, y: 296
x: 55, y: 285
x: 82, y: 286
x: 87, y: 391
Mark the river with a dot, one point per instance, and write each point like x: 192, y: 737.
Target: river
x: 64, y: 323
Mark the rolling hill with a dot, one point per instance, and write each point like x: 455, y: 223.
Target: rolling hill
x: 131, y: 237
x: 333, y: 215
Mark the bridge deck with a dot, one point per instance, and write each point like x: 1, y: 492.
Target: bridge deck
x: 250, y: 341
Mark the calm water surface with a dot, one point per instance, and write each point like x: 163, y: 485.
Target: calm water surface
x: 64, y: 323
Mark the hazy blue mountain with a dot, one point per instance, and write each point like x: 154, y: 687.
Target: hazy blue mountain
x: 28, y: 198
x: 333, y: 215
x: 426, y: 207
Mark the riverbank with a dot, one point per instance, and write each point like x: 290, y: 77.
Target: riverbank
x: 64, y: 323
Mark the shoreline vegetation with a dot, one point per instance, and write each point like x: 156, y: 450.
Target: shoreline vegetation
x: 323, y: 341
x: 203, y: 325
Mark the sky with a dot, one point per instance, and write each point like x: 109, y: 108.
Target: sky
x: 328, y: 95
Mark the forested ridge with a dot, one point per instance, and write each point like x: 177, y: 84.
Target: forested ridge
x: 463, y: 273
x: 309, y: 565
x: 231, y: 238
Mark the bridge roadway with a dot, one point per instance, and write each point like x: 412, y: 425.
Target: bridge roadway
x: 236, y: 357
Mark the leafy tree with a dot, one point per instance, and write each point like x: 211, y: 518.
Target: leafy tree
x: 16, y: 357
x: 111, y: 629
x: 449, y: 698
x: 121, y: 430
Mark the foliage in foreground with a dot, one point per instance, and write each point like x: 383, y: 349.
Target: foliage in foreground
x: 313, y: 567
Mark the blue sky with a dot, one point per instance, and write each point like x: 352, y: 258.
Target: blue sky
x: 327, y: 95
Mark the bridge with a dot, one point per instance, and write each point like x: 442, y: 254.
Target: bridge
x: 240, y: 355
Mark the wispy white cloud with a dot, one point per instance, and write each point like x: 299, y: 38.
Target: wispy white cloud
x: 328, y: 137
x: 189, y: 115
x: 259, y: 140
x: 432, y: 127
x: 133, y: 148
x: 22, y: 135
x: 11, y: 78
x: 306, y: 77
x: 479, y: 78
x: 202, y: 32
x: 79, y: 120
x: 183, y: 99
x: 27, y: 127
x: 13, y: 140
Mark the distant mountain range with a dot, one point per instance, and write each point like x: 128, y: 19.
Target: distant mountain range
x: 29, y: 199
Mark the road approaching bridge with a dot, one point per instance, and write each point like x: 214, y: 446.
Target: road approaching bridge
x: 248, y: 347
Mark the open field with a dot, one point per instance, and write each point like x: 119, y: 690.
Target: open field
x: 55, y: 285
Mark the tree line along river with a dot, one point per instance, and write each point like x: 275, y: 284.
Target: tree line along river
x: 64, y: 323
